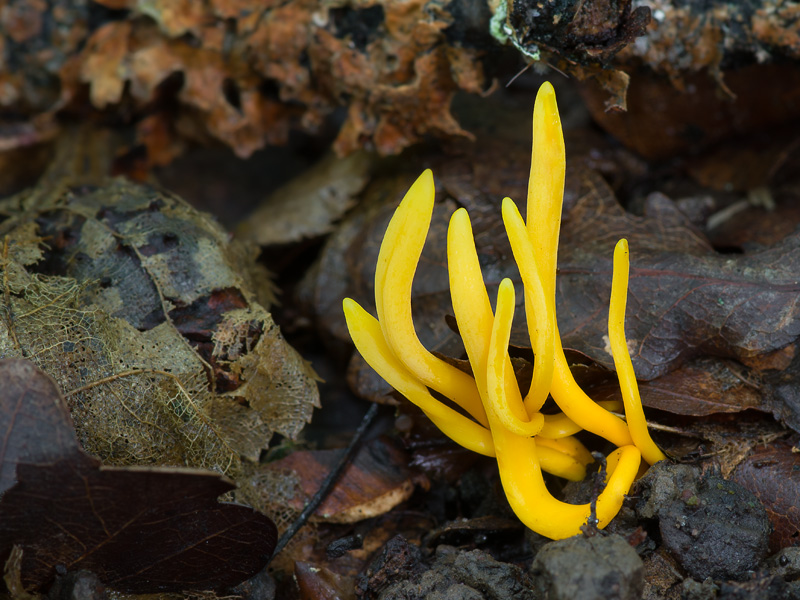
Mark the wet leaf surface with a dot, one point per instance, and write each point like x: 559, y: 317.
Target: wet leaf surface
x: 138, y: 529
x: 684, y: 299
x: 772, y: 473
x: 376, y: 481
x: 701, y: 387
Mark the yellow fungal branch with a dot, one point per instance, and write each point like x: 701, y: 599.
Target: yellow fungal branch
x: 622, y: 357
x: 497, y: 421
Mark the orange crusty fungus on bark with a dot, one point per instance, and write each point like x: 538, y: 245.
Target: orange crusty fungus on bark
x: 497, y: 420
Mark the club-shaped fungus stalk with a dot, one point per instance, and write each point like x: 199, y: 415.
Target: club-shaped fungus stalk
x: 622, y: 358
x: 545, y: 201
x: 474, y: 316
x: 496, y: 419
x: 398, y: 257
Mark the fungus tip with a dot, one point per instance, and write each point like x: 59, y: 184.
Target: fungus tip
x: 507, y: 287
x: 545, y: 109
x: 546, y: 89
x: 509, y: 207
x: 460, y: 214
x: 422, y: 190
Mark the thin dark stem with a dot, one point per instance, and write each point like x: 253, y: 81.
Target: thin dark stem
x: 330, y: 480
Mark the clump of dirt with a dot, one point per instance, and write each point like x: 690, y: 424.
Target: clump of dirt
x: 711, y: 526
x: 582, y: 568
x: 399, y: 572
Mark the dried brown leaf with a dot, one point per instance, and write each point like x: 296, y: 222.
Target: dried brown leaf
x: 684, y: 299
x: 154, y: 323
x: 138, y: 529
x: 664, y: 120
x: 308, y: 205
x: 392, y: 64
x: 104, y: 69
x: 376, y: 481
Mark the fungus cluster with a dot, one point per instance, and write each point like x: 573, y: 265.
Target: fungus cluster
x: 496, y: 419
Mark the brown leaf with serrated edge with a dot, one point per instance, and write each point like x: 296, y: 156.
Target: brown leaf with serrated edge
x: 138, y: 529
x: 772, y: 473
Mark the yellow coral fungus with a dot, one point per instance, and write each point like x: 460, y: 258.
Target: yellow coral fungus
x: 622, y: 358
x: 498, y: 421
